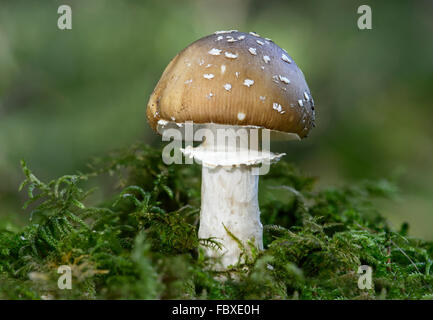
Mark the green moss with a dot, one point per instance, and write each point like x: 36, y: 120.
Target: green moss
x: 142, y: 243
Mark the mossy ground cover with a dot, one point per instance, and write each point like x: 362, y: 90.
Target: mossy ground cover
x: 141, y: 241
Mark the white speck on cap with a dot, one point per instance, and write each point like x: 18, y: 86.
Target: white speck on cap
x: 230, y: 55
x: 231, y: 39
x: 225, y: 31
x: 285, y: 58
x: 188, y: 81
x: 215, y: 52
x: 208, y: 76
x: 254, y: 34
x: 241, y: 116
x: 210, y: 95
x: 263, y: 98
x: 209, y: 65
x: 201, y: 62
x: 277, y: 106
x: 284, y: 79
x: 223, y: 69
x: 227, y: 86
x: 248, y: 82
x: 188, y: 64
x: 260, y: 42
x: 275, y: 78
x: 241, y: 37
x: 253, y: 51
x: 307, y: 97
x: 301, y: 104
x: 162, y: 122
x: 173, y: 118
x: 237, y: 74
x: 266, y: 59
x: 219, y: 38
x: 262, y: 67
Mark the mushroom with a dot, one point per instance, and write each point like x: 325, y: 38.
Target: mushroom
x: 232, y: 81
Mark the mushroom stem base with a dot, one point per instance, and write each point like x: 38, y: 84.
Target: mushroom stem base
x: 230, y: 213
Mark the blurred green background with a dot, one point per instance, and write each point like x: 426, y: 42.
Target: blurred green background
x: 66, y: 96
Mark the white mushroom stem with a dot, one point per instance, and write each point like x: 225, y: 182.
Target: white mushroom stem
x: 229, y: 207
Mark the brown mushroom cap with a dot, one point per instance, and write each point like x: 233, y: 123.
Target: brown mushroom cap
x: 234, y: 78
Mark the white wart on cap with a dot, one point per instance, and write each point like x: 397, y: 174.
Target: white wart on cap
x: 234, y: 78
